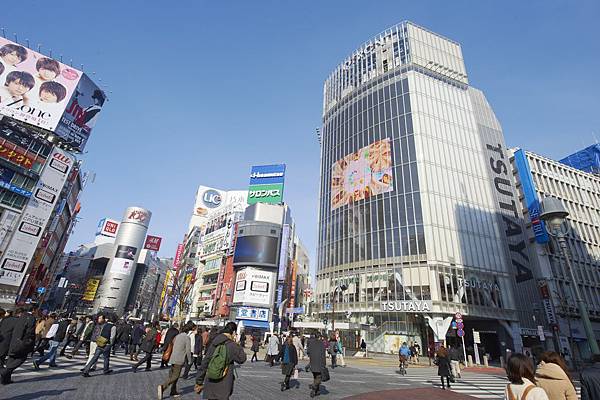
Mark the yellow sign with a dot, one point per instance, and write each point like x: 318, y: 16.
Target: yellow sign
x: 91, y: 289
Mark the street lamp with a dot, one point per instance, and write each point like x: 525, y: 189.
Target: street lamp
x: 554, y: 214
x: 339, y: 288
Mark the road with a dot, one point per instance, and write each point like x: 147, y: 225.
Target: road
x: 255, y: 381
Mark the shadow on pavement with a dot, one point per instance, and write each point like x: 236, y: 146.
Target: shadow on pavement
x: 40, y: 395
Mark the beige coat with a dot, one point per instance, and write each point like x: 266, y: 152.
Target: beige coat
x: 555, y: 382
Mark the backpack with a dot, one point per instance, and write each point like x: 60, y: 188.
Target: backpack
x: 218, y: 364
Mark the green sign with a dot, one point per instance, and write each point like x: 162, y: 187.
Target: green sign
x: 272, y: 193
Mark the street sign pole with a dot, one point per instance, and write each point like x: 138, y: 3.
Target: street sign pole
x: 464, y: 349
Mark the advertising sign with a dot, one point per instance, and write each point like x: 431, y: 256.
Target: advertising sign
x: 7, y: 225
x: 257, y: 314
x: 283, y: 253
x: 90, y: 289
x: 253, y: 286
x: 292, y: 302
x: 152, y: 243
x: 178, y: 255
x: 35, y: 217
x: 266, y: 184
x: 124, y: 260
x: 407, y: 305
x: 256, y: 250
x: 363, y: 174
x: 107, y: 227
x: 16, y: 156
x: 6, y: 176
x: 34, y: 88
x: 81, y: 113
x: 531, y: 198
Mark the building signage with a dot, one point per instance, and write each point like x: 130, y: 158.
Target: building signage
x: 107, y: 227
x: 138, y: 216
x: 8, y: 220
x: 547, y: 303
x: 16, y: 156
x: 178, y: 255
x: 253, y: 286
x: 124, y: 260
x: 35, y: 217
x: 407, y: 305
x: 531, y: 198
x: 266, y: 184
x: 6, y: 175
x: 283, y: 253
x: 508, y: 203
x: 90, y: 289
x: 35, y: 89
x: 152, y: 243
x: 212, y: 198
x: 478, y: 284
x: 253, y: 313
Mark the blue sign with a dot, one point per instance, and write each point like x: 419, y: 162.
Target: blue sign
x: 41, y: 290
x: 6, y: 176
x: 533, y: 203
x: 295, y: 310
x: 254, y: 313
x: 267, y: 174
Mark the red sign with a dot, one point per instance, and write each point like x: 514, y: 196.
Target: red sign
x: 152, y: 243
x: 110, y: 227
x: 178, y: 255
x: 15, y: 156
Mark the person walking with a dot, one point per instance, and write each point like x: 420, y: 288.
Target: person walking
x: 84, y: 338
x: 21, y: 344
x: 289, y: 360
x: 126, y: 336
x: 104, y: 342
x: 243, y: 339
x: 298, y: 345
x: 7, y: 325
x: 455, y: 358
x: 168, y: 344
x: 181, y: 355
x: 552, y: 375
x: 53, y: 339
x: 519, y: 371
x: 443, y: 363
x: 40, y: 334
x: 197, y: 348
x: 363, y: 347
x: 254, y: 348
x: 148, y: 345
x: 590, y: 380
x: 70, y: 336
x: 188, y: 364
x: 332, y: 350
x: 272, y: 349
x: 48, y: 322
x: 222, y: 388
x: 137, y: 333
x: 317, y: 361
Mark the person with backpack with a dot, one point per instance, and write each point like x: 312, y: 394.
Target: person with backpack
x: 215, y: 377
x: 148, y: 346
x: 84, y: 338
x: 168, y: 344
x: 181, y: 355
x: 104, y: 342
x: 519, y: 371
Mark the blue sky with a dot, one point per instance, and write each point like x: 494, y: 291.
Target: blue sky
x: 200, y: 91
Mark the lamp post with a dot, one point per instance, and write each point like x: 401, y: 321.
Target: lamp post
x: 339, y: 288
x: 554, y: 214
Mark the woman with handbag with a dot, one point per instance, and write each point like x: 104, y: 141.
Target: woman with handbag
x: 289, y: 360
x: 443, y: 363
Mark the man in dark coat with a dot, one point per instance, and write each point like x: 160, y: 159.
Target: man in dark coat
x: 590, y: 380
x: 7, y: 325
x: 148, y: 345
x: 137, y: 333
x: 169, y: 336
x: 316, y: 355
x: 223, y: 388
x: 126, y: 336
x: 21, y: 344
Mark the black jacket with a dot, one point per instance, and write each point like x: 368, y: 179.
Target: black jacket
x: 7, y: 325
x: 198, y: 345
x: 23, y: 336
x: 590, y: 382
x: 443, y: 364
x: 288, y: 368
x: 170, y: 335
x: 316, y: 354
x: 61, y: 332
x: 125, y: 333
x: 149, y: 342
x: 137, y: 334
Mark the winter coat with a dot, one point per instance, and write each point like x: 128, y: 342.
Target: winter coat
x: 517, y: 390
x: 137, y: 334
x: 223, y: 388
x: 39, y: 327
x: 298, y: 345
x: 288, y: 368
x: 333, y: 347
x: 316, y: 354
x: 149, y: 342
x: 255, y: 345
x: 182, y: 350
x: 198, y: 347
x: 555, y: 382
x: 443, y: 364
x: 273, y: 347
x: 7, y: 325
x: 23, y: 336
x: 590, y: 382
x: 170, y: 335
x: 125, y: 333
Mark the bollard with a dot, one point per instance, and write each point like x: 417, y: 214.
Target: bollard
x: 470, y: 360
x: 501, y: 362
x: 485, y: 361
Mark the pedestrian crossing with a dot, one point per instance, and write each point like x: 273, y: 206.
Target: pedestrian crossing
x: 478, y: 385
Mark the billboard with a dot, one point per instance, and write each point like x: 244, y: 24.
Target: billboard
x: 257, y: 249
x: 34, y: 88
x: 531, y: 198
x: 107, y: 227
x: 90, y: 289
x: 152, y: 243
x: 266, y: 184
x: 6, y: 176
x: 178, y: 255
x: 16, y: 155
x: 81, y: 113
x: 253, y: 313
x: 124, y: 260
x: 253, y: 286
x: 360, y: 175
x: 35, y: 217
x: 283, y: 253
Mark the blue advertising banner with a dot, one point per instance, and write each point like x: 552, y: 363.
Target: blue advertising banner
x: 533, y: 203
x: 6, y: 176
x: 267, y: 174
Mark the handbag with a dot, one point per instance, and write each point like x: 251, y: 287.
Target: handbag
x: 101, y: 341
x: 325, y: 375
x: 452, y: 378
x: 167, y: 354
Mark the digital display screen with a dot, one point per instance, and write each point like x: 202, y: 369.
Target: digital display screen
x: 256, y: 250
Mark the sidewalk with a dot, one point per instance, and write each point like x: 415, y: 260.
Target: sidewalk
x: 412, y: 394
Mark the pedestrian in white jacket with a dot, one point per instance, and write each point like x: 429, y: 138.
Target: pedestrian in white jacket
x: 519, y: 370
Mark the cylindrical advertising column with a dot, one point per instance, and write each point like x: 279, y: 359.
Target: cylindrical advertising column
x: 120, y: 270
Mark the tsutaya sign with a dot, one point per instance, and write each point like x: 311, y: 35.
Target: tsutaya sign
x: 407, y: 305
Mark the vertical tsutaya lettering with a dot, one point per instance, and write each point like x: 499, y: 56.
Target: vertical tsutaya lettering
x: 513, y: 229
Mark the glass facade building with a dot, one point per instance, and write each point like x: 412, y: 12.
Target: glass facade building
x: 412, y: 213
